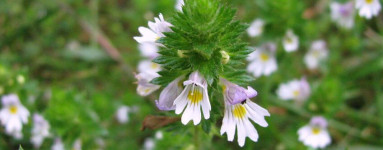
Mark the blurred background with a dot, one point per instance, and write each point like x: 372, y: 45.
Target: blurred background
x: 74, y: 62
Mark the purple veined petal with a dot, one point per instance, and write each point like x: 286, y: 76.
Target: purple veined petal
x: 318, y: 121
x: 169, y: 94
x: 196, y: 78
x: 10, y: 99
x: 235, y: 94
x: 250, y: 92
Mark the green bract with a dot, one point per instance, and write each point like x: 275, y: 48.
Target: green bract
x: 206, y: 38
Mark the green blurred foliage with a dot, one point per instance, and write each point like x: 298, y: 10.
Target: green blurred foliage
x: 72, y: 81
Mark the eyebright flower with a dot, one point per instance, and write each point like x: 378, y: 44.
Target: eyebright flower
x: 58, y: 145
x: 40, y: 130
x: 179, y: 5
x: 256, y: 28
x: 262, y: 60
x: 343, y: 14
x: 155, y: 31
x: 148, y: 50
x: 122, y: 114
x: 193, y: 97
x: 169, y: 94
x: 13, y: 115
x: 237, y: 115
x: 159, y: 135
x: 234, y: 94
x: 315, y: 134
x: 317, y: 53
x: 368, y: 8
x: 77, y: 144
x: 144, y: 87
x: 149, y: 144
x: 290, y: 41
x: 148, y: 66
x: 298, y: 90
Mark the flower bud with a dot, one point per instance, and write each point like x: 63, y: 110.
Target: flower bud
x: 225, y: 57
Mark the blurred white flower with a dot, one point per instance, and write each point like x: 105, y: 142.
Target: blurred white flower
x: 237, y: 116
x: 298, y: 90
x: 58, y: 145
x: 40, y: 130
x: 179, y: 5
x: 317, y: 53
x: 13, y: 115
x: 20, y: 79
x: 290, y: 41
x: 77, y: 145
x: 193, y: 97
x: 144, y: 87
x: 343, y: 14
x: 155, y: 30
x: 262, y: 60
x: 159, y: 135
x: 169, y: 94
x: 148, y: 66
x: 256, y: 28
x: 148, y: 50
x: 368, y: 8
x: 315, y: 134
x: 149, y: 144
x: 122, y: 114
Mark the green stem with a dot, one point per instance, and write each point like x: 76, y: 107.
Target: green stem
x: 196, y: 137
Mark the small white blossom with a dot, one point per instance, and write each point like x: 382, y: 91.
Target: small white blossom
x: 315, y: 134
x: 122, y: 114
x: 159, y: 135
x: 155, y: 30
x: 169, y: 94
x: 343, y: 14
x: 193, y: 97
x: 40, y: 130
x: 238, y: 116
x: 148, y: 66
x: 144, y: 87
x: 13, y: 115
x: 179, y: 5
x: 298, y: 90
x: 256, y: 28
x: 58, y: 145
x: 148, y: 50
x: 368, y: 8
x: 290, y: 41
x: 149, y: 144
x: 77, y: 145
x: 317, y: 53
x: 262, y: 60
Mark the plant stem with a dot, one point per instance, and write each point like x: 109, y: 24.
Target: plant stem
x: 196, y: 137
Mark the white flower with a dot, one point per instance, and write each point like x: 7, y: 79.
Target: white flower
x: 155, y: 30
x: 169, y: 94
x: 149, y: 144
x: 290, y: 41
x: 315, y: 134
x: 122, y: 114
x: 159, y: 135
x: 262, y: 60
x: 77, y: 144
x: 148, y: 50
x: 144, y: 87
x: 368, y: 8
x: 255, y: 28
x: 179, y: 5
x: 343, y: 14
x: 58, y: 145
x: 317, y: 53
x: 13, y: 115
x: 296, y: 89
x: 148, y: 66
x: 193, y: 97
x: 40, y: 130
x: 237, y: 116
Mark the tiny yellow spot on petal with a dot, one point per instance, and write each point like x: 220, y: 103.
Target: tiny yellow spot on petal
x: 223, y: 88
x: 264, y: 57
x: 195, y: 96
x: 369, y: 1
x: 296, y: 93
x: 154, y: 66
x: 315, y: 130
x: 146, y: 90
x: 239, y: 111
x: 13, y: 109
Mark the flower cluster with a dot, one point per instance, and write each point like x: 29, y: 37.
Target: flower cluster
x: 195, y: 62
